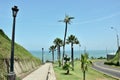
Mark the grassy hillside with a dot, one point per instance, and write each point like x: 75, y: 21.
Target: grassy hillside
x: 5, y: 48
x: 115, y: 60
x: 22, y: 56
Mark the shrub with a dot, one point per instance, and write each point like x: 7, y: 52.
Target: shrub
x: 67, y: 64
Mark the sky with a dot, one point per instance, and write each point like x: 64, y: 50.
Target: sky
x: 37, y: 22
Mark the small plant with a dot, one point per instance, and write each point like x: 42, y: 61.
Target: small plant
x: 84, y: 63
x: 67, y: 64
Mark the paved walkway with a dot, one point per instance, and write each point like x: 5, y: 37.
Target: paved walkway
x: 45, y: 72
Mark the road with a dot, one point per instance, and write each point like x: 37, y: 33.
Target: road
x: 99, y: 66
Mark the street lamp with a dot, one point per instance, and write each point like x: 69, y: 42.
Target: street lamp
x: 42, y: 55
x: 116, y: 36
x: 11, y: 75
x: 117, y: 43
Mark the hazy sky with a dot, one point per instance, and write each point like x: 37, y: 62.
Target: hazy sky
x: 37, y: 22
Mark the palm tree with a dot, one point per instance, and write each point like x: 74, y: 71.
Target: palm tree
x: 84, y: 64
x: 58, y: 43
x: 73, y: 40
x: 66, y: 20
x: 52, y: 49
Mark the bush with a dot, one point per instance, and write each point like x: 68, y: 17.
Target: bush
x: 112, y: 63
x: 67, y: 64
x: 101, y: 57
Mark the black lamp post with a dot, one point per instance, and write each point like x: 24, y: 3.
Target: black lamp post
x: 11, y: 75
x: 42, y: 55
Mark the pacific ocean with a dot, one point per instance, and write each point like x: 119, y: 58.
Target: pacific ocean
x: 77, y: 54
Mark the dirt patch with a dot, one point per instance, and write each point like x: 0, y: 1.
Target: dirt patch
x: 100, y: 79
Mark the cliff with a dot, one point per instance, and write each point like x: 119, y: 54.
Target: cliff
x: 24, y: 61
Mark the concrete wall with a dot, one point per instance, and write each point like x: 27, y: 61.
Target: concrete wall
x: 110, y: 56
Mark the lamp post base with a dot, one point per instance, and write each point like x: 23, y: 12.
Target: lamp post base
x: 11, y: 76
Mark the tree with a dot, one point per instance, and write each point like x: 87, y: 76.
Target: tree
x: 84, y: 64
x: 58, y: 43
x: 52, y: 49
x: 66, y: 20
x: 72, y: 40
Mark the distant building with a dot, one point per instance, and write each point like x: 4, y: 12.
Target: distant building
x: 110, y: 56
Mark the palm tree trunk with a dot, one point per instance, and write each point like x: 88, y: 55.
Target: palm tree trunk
x: 63, y: 57
x: 57, y: 53
x: 59, y: 56
x: 83, y: 75
x: 53, y: 56
x: 72, y: 56
x: 64, y: 43
x: 68, y: 71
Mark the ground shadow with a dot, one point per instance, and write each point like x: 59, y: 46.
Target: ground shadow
x: 66, y: 74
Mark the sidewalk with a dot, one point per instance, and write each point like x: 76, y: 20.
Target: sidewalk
x: 45, y: 72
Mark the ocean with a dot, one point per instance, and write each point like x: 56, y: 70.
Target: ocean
x: 77, y: 54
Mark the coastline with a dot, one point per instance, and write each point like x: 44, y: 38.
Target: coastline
x: 77, y: 54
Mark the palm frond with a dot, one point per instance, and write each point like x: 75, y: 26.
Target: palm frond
x: 60, y: 20
x: 52, y: 48
x: 58, y: 42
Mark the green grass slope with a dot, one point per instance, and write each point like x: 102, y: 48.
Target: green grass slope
x: 5, y: 48
x: 21, y: 55
x: 116, y: 58
x: 77, y: 74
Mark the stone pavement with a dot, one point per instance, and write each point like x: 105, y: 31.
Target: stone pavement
x: 45, y: 72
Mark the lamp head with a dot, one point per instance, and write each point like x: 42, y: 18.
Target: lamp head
x: 14, y: 11
x: 111, y: 27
